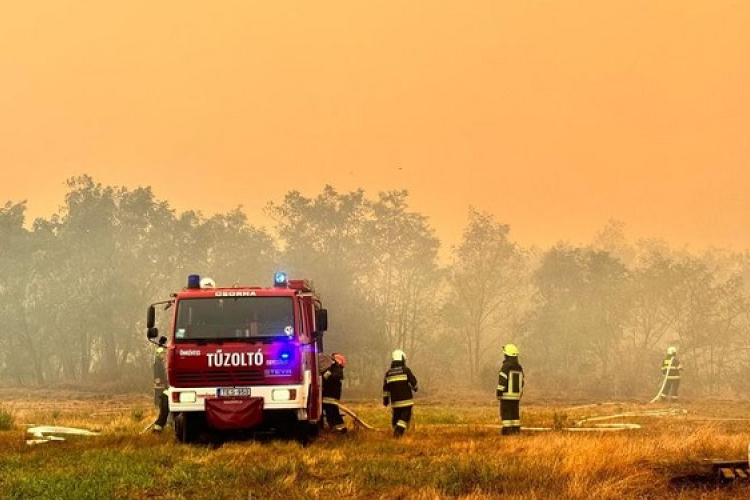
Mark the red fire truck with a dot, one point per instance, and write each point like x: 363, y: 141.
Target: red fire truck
x: 243, y: 358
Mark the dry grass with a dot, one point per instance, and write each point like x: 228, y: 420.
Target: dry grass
x: 453, y: 451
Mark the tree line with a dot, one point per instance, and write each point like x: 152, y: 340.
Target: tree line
x: 590, y: 320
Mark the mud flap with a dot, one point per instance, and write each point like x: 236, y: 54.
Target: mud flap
x: 234, y: 413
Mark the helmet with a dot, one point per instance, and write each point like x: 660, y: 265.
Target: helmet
x: 159, y: 350
x: 671, y: 351
x: 510, y: 350
x: 208, y: 283
x: 398, y: 355
x: 339, y: 358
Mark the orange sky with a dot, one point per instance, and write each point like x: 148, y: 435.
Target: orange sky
x: 553, y: 115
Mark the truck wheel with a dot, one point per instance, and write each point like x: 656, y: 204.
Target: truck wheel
x: 303, y: 432
x: 187, y: 427
x: 315, y: 428
x: 179, y: 427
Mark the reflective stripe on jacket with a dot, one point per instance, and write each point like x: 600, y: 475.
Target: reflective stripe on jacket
x: 510, y: 380
x: 160, y: 373
x: 671, y: 368
x: 398, y: 384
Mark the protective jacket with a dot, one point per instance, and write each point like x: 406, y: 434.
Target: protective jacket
x: 398, y: 384
x: 160, y: 378
x: 160, y: 373
x: 510, y: 380
x: 671, y: 369
x: 332, y: 378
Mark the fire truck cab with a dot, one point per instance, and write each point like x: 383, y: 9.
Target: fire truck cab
x: 243, y: 358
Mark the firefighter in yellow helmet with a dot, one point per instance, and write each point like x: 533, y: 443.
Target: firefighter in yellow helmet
x: 509, y: 390
x: 672, y: 370
x: 332, y: 378
x: 398, y: 385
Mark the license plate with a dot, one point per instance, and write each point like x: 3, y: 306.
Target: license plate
x: 232, y: 391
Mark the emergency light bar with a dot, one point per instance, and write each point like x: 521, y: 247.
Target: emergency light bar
x: 194, y: 281
x: 279, y: 279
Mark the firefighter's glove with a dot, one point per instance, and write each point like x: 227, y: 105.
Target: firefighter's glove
x: 385, y: 402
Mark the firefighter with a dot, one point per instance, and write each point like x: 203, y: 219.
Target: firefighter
x: 398, y: 384
x: 332, y: 378
x: 509, y: 390
x: 671, y: 369
x: 160, y: 386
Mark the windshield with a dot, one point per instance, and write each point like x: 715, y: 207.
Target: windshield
x: 234, y: 317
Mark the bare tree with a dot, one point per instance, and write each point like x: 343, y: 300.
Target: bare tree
x: 486, y: 280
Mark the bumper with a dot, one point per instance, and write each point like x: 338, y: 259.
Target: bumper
x: 278, y: 397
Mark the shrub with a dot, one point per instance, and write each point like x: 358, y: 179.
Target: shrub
x: 6, y: 419
x: 137, y: 414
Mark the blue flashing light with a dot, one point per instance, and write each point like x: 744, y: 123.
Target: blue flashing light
x: 194, y: 281
x: 285, y: 356
x: 279, y: 278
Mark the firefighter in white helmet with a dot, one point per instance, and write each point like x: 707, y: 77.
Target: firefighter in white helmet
x: 671, y: 368
x: 398, y: 385
x: 509, y: 390
x: 332, y: 378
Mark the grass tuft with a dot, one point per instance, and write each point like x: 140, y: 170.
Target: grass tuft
x: 137, y: 414
x: 559, y: 421
x: 6, y: 419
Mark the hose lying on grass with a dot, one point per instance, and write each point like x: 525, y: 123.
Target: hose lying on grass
x: 646, y: 413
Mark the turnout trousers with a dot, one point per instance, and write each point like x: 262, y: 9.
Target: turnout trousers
x: 671, y: 388
x: 161, y: 420
x: 400, y: 418
x: 510, y: 415
x: 333, y: 417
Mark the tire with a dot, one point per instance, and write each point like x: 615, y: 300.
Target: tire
x: 315, y: 428
x: 188, y: 426
x: 179, y: 427
x: 303, y: 432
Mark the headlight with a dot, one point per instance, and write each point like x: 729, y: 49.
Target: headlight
x: 283, y: 394
x: 188, y: 397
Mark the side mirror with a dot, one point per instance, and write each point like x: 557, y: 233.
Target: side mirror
x: 152, y: 333
x: 321, y: 320
x: 150, y: 317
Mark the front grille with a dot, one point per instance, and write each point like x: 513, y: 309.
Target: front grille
x: 217, y: 378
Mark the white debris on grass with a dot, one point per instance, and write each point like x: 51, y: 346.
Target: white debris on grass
x: 47, y: 433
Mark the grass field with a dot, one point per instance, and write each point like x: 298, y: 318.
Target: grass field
x: 452, y: 451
